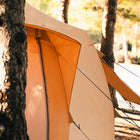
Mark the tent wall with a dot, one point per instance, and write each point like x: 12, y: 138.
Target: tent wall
x: 57, y: 103
x: 67, y: 51
x: 36, y: 111
x: 89, y: 107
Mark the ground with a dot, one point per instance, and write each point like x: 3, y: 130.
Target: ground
x: 124, y: 130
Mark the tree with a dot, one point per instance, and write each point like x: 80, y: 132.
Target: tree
x: 107, y: 41
x: 13, y: 64
x: 64, y: 10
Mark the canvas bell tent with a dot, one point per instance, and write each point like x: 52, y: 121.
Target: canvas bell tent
x: 65, y: 83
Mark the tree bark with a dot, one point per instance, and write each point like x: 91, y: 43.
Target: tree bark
x: 64, y: 10
x: 13, y: 64
x: 107, y: 41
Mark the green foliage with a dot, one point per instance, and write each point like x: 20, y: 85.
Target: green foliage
x: 95, y: 35
x: 129, y: 44
x: 128, y: 9
x: 49, y: 7
x: 43, y: 5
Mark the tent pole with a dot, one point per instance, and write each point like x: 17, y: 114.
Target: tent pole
x: 45, y: 88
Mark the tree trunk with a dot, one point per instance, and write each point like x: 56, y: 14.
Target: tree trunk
x: 64, y: 10
x: 107, y: 42
x: 13, y: 64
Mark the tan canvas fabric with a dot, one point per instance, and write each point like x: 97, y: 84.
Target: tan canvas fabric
x: 89, y: 107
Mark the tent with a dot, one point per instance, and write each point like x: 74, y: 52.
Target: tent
x: 67, y: 89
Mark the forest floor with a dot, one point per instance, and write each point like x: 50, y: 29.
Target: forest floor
x: 128, y: 129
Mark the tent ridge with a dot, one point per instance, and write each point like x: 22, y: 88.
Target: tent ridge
x: 55, y: 32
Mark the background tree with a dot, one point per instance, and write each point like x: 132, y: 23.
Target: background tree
x: 107, y: 41
x: 64, y: 10
x: 13, y: 64
x: 128, y: 20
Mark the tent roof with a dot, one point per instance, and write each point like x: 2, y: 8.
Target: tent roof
x: 37, y: 19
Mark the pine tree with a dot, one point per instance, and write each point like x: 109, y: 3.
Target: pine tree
x: 13, y: 64
x: 107, y: 41
x: 64, y: 10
